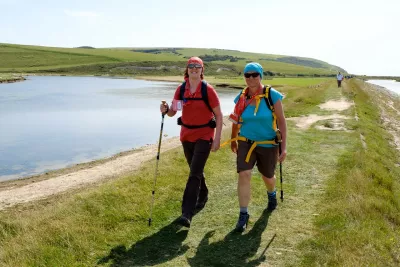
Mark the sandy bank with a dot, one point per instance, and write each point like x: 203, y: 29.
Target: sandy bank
x: 81, y: 175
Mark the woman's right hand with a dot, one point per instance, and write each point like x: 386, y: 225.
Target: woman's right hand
x: 234, y: 147
x: 164, y: 108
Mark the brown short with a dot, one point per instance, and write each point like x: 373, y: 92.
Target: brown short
x: 265, y: 157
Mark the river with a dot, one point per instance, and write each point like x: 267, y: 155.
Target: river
x: 51, y: 122
x: 391, y: 85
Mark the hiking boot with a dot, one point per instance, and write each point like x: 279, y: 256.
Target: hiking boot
x: 200, y: 206
x: 272, y: 203
x: 242, y: 222
x: 184, y: 220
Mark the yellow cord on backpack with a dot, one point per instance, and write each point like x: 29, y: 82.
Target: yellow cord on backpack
x: 274, y: 124
x: 257, y: 98
x: 253, y: 146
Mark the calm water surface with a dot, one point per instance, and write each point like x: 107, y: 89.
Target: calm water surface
x: 48, y: 123
x: 391, y: 85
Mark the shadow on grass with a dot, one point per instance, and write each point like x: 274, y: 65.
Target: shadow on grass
x: 235, y: 249
x: 158, y: 248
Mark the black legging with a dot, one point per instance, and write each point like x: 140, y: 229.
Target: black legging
x: 196, y: 190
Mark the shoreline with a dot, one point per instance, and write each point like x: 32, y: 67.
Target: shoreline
x: 22, y: 181
x: 13, y: 80
x: 380, y: 87
x: 177, y: 79
x: 80, y: 176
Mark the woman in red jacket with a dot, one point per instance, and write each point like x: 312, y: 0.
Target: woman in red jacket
x: 201, y: 125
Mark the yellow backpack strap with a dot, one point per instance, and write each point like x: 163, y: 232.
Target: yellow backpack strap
x: 253, y: 144
x: 268, y: 98
x: 268, y: 101
x: 243, y: 92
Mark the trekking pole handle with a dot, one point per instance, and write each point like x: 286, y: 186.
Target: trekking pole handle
x: 163, y: 102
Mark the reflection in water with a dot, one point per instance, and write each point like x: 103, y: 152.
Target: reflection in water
x: 52, y: 122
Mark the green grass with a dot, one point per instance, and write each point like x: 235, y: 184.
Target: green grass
x: 120, y: 61
x: 5, y: 76
x: 9, y: 77
x: 283, y: 84
x: 341, y: 206
x: 359, y: 219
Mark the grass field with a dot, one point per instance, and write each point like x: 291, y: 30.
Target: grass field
x: 341, y: 207
x: 240, y: 82
x: 130, y: 61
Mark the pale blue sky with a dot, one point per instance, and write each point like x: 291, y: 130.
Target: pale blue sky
x: 359, y: 36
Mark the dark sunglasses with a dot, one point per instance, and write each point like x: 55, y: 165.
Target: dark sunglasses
x: 197, y: 66
x: 254, y: 75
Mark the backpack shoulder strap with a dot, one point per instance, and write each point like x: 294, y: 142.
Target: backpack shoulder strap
x: 268, y: 98
x: 204, y: 95
x: 270, y: 105
x: 243, y: 92
x: 182, y: 91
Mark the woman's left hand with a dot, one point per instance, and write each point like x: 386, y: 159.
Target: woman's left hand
x: 282, y: 156
x: 215, y: 145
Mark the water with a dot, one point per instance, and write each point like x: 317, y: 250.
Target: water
x: 51, y: 122
x: 391, y: 85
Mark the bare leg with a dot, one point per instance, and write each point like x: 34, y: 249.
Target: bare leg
x: 244, y: 194
x: 244, y: 188
x: 270, y: 183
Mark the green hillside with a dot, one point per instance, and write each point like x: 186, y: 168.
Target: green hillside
x: 150, y: 61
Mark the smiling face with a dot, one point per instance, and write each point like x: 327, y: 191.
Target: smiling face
x: 253, y: 79
x: 194, y: 70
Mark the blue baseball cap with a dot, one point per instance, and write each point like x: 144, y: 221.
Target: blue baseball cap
x: 254, y: 67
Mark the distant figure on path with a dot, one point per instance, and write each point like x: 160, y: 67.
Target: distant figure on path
x: 201, y: 126
x: 339, y: 78
x: 258, y: 113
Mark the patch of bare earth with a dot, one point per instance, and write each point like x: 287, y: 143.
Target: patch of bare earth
x: 334, y: 121
x: 338, y: 105
x: 305, y: 122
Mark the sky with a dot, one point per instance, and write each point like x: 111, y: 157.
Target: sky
x: 360, y: 36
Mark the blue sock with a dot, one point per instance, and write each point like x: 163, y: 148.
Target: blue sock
x: 272, y: 194
x: 243, y: 210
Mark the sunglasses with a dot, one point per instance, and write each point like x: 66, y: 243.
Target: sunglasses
x: 254, y: 75
x: 191, y: 66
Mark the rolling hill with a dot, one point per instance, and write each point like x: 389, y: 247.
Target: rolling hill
x: 151, y: 61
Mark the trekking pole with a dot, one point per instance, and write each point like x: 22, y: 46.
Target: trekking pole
x: 157, y: 160
x: 280, y: 170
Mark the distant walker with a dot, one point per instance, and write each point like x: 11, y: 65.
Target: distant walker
x: 339, y: 78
